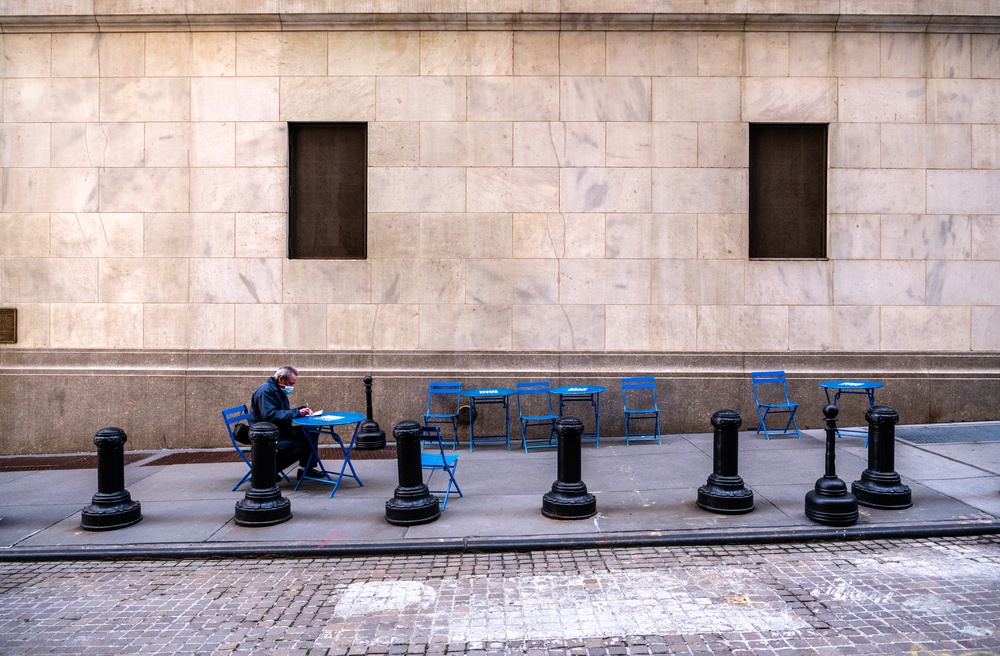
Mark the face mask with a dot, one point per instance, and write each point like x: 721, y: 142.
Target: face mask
x: 288, y: 389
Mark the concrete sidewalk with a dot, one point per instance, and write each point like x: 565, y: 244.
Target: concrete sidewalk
x: 646, y: 494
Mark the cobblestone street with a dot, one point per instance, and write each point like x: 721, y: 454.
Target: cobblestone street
x: 931, y: 597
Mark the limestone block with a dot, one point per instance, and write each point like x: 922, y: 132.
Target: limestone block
x: 24, y: 235
x: 457, y: 327
x: 865, y: 282
x: 234, y: 99
x: 963, y: 283
x: 557, y: 327
x: 213, y: 54
x: 854, y: 236
x: 675, y: 145
x: 49, y: 280
x: 833, y: 328
x: 628, y: 144
x: 147, y: 190
x: 327, y: 99
x: 985, y: 55
x: 743, y: 328
x: 96, y: 325
x: 675, y: 54
x: 720, y: 54
x: 867, y: 100
x: 950, y: 55
x: 985, y: 336
x: 986, y: 146
x: 874, y: 191
x: 470, y: 236
x: 50, y: 190
x: 418, y: 281
x: 260, y: 189
x: 933, y: 328
x: 50, y: 100
x: 97, y: 235
x: 24, y: 145
x: 768, y: 54
x: 790, y: 100
x: 32, y: 326
x: 326, y: 281
x: 374, y: 53
x: 169, y: 54
x: 629, y: 53
x: 559, y: 235
x: 421, y: 99
x: 98, y: 144
x: 466, y: 144
x: 926, y: 146
x: 930, y: 237
x: 963, y: 192
x: 27, y: 55
x: 559, y: 144
x: 191, y: 144
x: 404, y: 189
x: 237, y: 280
x: 75, y: 55
x: 188, y: 326
x: 395, y: 235
x: 722, y: 145
x: 652, y: 328
x: 605, y: 98
x: 582, y: 53
x: 857, y: 54
x: 963, y: 101
x: 466, y: 53
x: 651, y: 236
x: 509, y: 281
x: 146, y: 99
x: 396, y: 327
x: 697, y: 282
x: 349, y: 326
x: 855, y: 145
x: 603, y: 282
x: 261, y: 234
x: 261, y: 144
x: 264, y: 326
x: 122, y: 54
x: 985, y: 237
x: 513, y: 189
x: 903, y: 55
x: 144, y: 280
x: 263, y: 54
x: 188, y: 235
x: 536, y: 53
x: 605, y: 190
x: 723, y: 236
x: 514, y: 99
x: 703, y: 190
x: 697, y: 99
x: 810, y: 54
x: 789, y: 282
x: 394, y: 144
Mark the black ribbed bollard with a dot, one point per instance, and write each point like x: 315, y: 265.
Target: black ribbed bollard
x: 724, y: 492
x: 413, y: 503
x: 112, y: 507
x: 370, y: 436
x: 568, y: 498
x: 263, y: 504
x: 830, y: 503
x: 880, y: 485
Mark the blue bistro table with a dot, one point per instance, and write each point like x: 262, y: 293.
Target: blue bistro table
x: 838, y: 387
x: 586, y: 394
x: 324, y: 423
x: 483, y: 396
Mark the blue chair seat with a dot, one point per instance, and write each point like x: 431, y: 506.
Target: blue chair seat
x: 639, y: 404
x: 443, y: 404
x: 436, y: 460
x: 770, y: 394
x: 534, y: 407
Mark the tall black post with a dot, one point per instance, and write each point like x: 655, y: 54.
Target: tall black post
x: 263, y: 504
x: 370, y: 436
x: 880, y: 486
x: 112, y: 507
x: 568, y: 498
x: 413, y: 503
x: 724, y: 492
x: 830, y: 503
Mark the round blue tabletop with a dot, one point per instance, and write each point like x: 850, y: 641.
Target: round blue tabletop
x: 844, y: 385
x: 569, y: 390
x: 329, y: 419
x: 488, y: 392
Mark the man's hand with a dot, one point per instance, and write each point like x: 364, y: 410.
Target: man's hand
x: 305, y: 412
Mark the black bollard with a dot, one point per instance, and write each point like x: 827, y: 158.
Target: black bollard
x: 568, y: 498
x: 880, y: 485
x: 263, y: 504
x: 724, y: 492
x: 370, y: 436
x: 413, y: 503
x: 830, y: 503
x: 112, y: 507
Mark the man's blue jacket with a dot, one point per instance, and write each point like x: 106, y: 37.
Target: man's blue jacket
x: 270, y: 403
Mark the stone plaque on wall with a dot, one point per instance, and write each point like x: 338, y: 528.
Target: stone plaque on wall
x: 8, y: 326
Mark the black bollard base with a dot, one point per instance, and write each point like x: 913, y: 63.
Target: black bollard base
x: 262, y: 508
x: 412, y: 505
x: 883, y: 490
x: 831, y: 504
x: 569, y: 501
x: 725, y: 494
x: 110, y: 511
x: 370, y: 436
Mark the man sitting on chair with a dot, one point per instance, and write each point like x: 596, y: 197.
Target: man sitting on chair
x: 270, y: 403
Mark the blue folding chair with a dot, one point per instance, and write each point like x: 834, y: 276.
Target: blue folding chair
x: 534, y: 407
x: 233, y: 417
x: 770, y: 394
x: 437, y: 460
x: 639, y: 404
x: 443, y: 404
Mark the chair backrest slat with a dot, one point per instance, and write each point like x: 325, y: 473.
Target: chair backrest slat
x: 440, y: 390
x: 531, y: 388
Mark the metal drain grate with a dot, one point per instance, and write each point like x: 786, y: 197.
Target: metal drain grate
x: 948, y: 434
x: 212, y: 457
x: 45, y: 463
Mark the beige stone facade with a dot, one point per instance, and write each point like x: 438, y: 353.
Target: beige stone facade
x: 544, y: 177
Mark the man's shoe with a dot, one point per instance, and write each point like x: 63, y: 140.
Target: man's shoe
x: 312, y: 473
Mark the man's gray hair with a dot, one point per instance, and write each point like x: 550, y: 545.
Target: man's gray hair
x: 285, y: 372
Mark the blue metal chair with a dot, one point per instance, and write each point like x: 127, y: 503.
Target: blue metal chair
x: 639, y: 404
x: 437, y: 460
x: 534, y: 411
x: 443, y: 404
x: 770, y: 394
x: 233, y: 418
